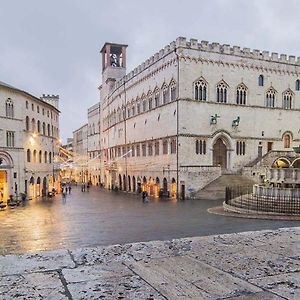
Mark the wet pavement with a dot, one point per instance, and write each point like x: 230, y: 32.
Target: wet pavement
x: 101, y: 217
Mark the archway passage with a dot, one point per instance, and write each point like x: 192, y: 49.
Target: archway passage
x: 120, y: 182
x: 220, y: 154
x: 44, y: 190
x: 133, y: 184
x: 151, y: 186
x: 157, y: 187
x: 3, y: 186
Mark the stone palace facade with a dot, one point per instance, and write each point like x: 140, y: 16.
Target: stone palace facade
x: 193, y: 111
x: 29, y: 142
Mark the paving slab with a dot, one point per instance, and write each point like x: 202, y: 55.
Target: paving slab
x: 285, y: 285
x: 42, y: 261
x: 257, y: 296
x: 184, y: 277
x: 32, y: 286
x: 249, y: 262
x: 114, y: 288
x: 95, y: 272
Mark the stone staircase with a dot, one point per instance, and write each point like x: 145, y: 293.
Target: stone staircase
x: 216, y: 189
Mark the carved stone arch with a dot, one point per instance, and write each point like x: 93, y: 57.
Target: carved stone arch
x: 200, y: 78
x: 164, y: 86
x: 288, y: 91
x: 281, y: 162
x: 6, y: 159
x: 287, y: 138
x: 149, y: 93
x: 156, y: 90
x: 222, y: 82
x: 296, y: 163
x: 172, y: 82
x: 242, y: 85
x: 225, y: 136
x: 221, y: 150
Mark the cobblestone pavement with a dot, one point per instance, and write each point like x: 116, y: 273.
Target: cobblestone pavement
x: 102, y: 217
x: 251, y: 265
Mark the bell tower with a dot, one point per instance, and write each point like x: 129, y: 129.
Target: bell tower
x: 113, y: 63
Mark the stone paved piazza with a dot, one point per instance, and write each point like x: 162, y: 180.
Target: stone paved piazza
x: 105, y: 218
x: 251, y: 265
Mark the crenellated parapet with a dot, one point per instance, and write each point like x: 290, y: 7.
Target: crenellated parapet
x: 236, y: 50
x: 182, y: 42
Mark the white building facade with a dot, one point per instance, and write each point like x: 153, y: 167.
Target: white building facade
x: 93, y: 141
x: 29, y: 129
x: 80, y: 154
x: 193, y: 111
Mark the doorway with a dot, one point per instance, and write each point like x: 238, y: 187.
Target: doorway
x: 220, y: 154
x: 3, y: 186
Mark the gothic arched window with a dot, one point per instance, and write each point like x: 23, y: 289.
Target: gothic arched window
x: 33, y: 125
x: 156, y: 97
x: 144, y: 102
x: 287, y: 99
x: 39, y: 126
x: 40, y: 156
x: 27, y: 123
x: 200, y: 90
x: 28, y: 155
x: 241, y: 94
x: 286, y: 141
x: 270, y: 97
x: 297, y: 85
x: 222, y: 92
x: 9, y: 107
x: 173, y: 90
x: 261, y: 80
x: 165, y: 94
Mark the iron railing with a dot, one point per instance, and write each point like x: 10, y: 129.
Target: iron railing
x: 242, y: 198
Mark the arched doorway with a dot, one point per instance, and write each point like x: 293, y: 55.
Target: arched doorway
x: 6, y: 183
x: 165, y: 186
x: 133, y: 184
x: 120, y: 182
x: 129, y: 183
x: 173, y: 188
x: 44, y: 190
x: 151, y: 186
x: 38, y: 187
x: 157, y: 187
x: 31, y: 188
x: 124, y: 183
x: 144, y: 187
x: 220, y: 154
x: 3, y: 186
x: 139, y: 185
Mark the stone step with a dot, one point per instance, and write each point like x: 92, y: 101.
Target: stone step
x: 216, y: 189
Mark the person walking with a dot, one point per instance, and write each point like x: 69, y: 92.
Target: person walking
x: 146, y: 197
x: 70, y: 188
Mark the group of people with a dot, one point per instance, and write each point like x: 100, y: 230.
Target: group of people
x: 65, y: 190
x: 85, y: 187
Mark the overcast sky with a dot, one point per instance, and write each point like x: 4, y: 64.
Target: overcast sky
x: 53, y: 46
